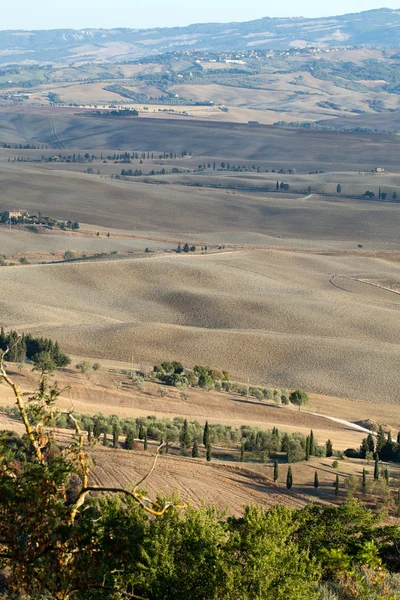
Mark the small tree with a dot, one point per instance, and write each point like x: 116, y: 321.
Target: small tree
x: 307, y: 457
x: 316, y: 482
x: 69, y: 255
x: 338, y: 189
x: 130, y: 440
x: 195, y: 450
x: 276, y: 470
x: 386, y: 475
x: 184, y: 437
x: 116, y: 432
x: 329, y: 448
x: 208, y: 453
x: 242, y: 453
x: 145, y: 441
x: 336, y: 485
x: 44, y: 363
x: 206, y: 435
x: 299, y: 398
x: 364, y: 481
x: 289, y: 479
x: 312, y: 443
x: 376, y: 468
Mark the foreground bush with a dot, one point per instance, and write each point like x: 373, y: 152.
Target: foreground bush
x: 62, y: 538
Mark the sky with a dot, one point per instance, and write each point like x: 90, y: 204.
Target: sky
x: 80, y: 14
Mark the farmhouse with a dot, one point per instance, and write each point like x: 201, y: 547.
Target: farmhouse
x: 380, y: 170
x: 15, y: 214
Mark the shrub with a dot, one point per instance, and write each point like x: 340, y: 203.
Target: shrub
x: 335, y: 464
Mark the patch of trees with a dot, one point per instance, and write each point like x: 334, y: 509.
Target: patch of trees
x: 122, y: 112
x: 109, y: 546
x: 174, y: 373
x: 33, y: 220
x: 63, y: 537
x: 381, y: 446
x: 22, y: 347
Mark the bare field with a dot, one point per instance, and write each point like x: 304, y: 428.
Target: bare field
x: 174, y: 209
x: 273, y: 316
x: 301, y: 148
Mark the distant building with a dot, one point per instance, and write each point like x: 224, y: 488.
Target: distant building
x: 380, y: 170
x: 15, y: 214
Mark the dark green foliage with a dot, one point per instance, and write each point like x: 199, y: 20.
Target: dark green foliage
x: 208, y: 453
x: 386, y: 475
x: 376, y: 468
x: 299, y: 398
x: 116, y: 432
x: 289, y: 478
x: 130, y: 440
x: 364, y: 481
x: 145, y: 443
x: 308, y: 448
x: 336, y: 485
x: 195, y: 450
x: 329, y: 449
x: 276, y: 470
x: 312, y: 443
x: 241, y: 453
x: 206, y: 435
x: 380, y: 439
x: 114, y: 548
x: 316, y: 481
x: 35, y: 349
x: 184, y: 437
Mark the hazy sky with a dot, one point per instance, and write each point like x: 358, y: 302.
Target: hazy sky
x: 77, y: 14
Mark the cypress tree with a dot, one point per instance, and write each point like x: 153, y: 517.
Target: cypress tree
x: 289, y: 479
x: 277, y: 185
x: 242, y: 453
x: 141, y: 432
x: 116, y: 432
x: 129, y: 440
x: 145, y: 441
x: 276, y: 470
x: 376, y: 469
x: 316, y: 481
x: 386, y: 475
x: 195, y: 450
x: 184, y: 437
x: 105, y: 443
x: 329, y: 448
x: 389, y: 437
x: 364, y: 481
x: 312, y: 443
x: 398, y: 438
x: 208, y: 454
x: 371, y: 443
x: 336, y: 485
x: 206, y: 435
x: 308, y: 448
x: 380, y: 439
x: 363, y: 448
x: 89, y: 432
x: 285, y: 442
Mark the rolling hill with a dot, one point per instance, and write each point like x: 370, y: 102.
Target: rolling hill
x: 373, y: 28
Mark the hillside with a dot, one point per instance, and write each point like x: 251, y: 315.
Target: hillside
x: 374, y: 27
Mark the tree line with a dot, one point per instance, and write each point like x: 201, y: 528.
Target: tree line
x: 38, y: 350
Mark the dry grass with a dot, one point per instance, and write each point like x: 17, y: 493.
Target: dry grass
x: 273, y: 316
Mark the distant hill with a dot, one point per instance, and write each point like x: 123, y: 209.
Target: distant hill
x: 372, y: 28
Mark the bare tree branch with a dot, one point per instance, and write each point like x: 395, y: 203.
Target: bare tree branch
x: 21, y: 407
x: 160, y: 447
